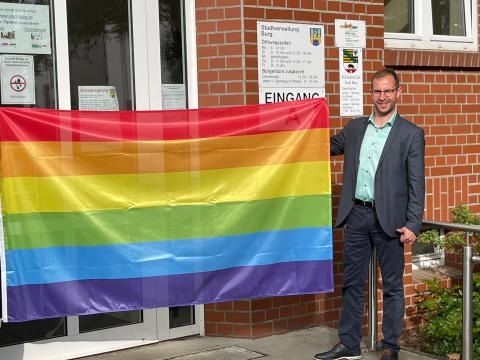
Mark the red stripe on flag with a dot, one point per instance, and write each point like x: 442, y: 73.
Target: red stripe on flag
x: 22, y: 124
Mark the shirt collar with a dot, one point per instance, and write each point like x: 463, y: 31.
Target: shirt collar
x: 388, y: 123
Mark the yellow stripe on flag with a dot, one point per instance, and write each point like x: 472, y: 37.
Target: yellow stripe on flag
x: 124, y: 191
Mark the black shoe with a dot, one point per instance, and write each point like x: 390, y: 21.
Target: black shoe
x: 389, y: 354
x: 339, y: 352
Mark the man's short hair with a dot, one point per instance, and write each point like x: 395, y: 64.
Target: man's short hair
x: 385, y: 72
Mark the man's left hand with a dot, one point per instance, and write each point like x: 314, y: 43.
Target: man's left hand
x: 407, y: 236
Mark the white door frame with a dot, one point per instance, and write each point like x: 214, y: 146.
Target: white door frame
x: 146, y: 66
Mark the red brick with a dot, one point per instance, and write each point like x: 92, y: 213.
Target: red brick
x: 243, y: 331
x: 229, y: 25
x: 224, y: 305
x: 258, y: 316
x: 261, y: 330
x: 237, y: 317
x: 228, y: 2
x: 225, y: 329
x: 286, y: 300
x: 214, y: 315
x: 228, y: 100
x: 306, y: 16
x: 262, y: 304
x: 293, y: 4
x: 307, y: 4
x: 275, y: 14
x: 235, y: 49
x: 280, y: 326
x: 204, y: 3
x: 254, y: 12
x: 215, y: 13
x: 234, y: 12
x: 286, y: 311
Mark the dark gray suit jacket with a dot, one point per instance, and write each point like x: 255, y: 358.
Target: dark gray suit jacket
x: 399, y: 180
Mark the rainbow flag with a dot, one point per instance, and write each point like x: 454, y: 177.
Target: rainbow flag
x: 114, y: 211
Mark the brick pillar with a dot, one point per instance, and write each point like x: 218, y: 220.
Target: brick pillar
x: 227, y: 73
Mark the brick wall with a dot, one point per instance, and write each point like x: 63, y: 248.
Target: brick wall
x: 440, y: 98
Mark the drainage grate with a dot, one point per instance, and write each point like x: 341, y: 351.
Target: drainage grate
x: 228, y: 352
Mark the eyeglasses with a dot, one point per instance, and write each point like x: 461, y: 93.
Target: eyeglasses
x: 386, y: 92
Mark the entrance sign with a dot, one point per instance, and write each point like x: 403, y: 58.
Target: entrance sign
x: 351, y: 82
x: 17, y: 79
x: 97, y: 98
x: 168, y: 208
x: 24, y: 28
x: 290, y: 56
x: 273, y: 95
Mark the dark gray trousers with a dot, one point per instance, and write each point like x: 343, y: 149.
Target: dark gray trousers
x: 362, y: 232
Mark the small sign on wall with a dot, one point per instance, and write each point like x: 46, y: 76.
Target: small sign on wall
x: 350, y: 38
x: 350, y: 33
x: 351, y: 82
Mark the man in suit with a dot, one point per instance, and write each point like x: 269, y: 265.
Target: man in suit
x: 381, y: 205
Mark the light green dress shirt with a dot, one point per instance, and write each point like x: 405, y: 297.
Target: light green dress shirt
x: 372, y: 147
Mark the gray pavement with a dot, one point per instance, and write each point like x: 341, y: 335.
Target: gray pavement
x: 297, y: 345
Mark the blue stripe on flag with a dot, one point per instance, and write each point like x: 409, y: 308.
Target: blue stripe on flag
x: 56, y: 264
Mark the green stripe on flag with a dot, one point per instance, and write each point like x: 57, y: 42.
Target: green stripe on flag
x: 37, y: 230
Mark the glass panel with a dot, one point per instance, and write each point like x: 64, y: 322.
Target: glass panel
x: 448, y: 17
x: 22, y: 44
x: 399, y: 16
x: 172, y: 41
x: 99, y: 46
x: 181, y: 316
x: 109, y: 320
x: 18, y: 333
x: 99, y: 52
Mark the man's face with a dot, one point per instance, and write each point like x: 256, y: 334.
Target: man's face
x: 384, y: 102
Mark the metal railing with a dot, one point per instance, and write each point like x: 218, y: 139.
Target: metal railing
x: 468, y: 260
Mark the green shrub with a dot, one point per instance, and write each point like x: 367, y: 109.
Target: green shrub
x: 442, y: 311
x: 454, y: 240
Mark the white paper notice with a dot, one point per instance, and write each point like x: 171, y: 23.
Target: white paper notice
x: 350, y: 33
x: 291, y: 56
x: 24, y: 28
x: 351, y: 82
x: 97, y: 98
x: 17, y: 79
x: 173, y: 96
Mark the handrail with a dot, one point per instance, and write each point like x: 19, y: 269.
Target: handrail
x: 468, y: 260
x: 452, y: 226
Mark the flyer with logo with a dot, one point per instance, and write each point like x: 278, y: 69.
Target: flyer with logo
x: 24, y: 28
x: 17, y: 79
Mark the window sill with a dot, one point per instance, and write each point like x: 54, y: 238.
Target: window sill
x: 431, y: 58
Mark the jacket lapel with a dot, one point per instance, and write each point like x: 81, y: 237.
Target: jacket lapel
x: 391, y: 138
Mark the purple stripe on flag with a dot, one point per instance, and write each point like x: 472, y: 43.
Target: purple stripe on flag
x: 30, y: 302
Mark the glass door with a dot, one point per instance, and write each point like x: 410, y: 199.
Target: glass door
x: 112, y: 55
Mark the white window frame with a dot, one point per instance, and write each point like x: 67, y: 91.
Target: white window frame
x: 423, y: 37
